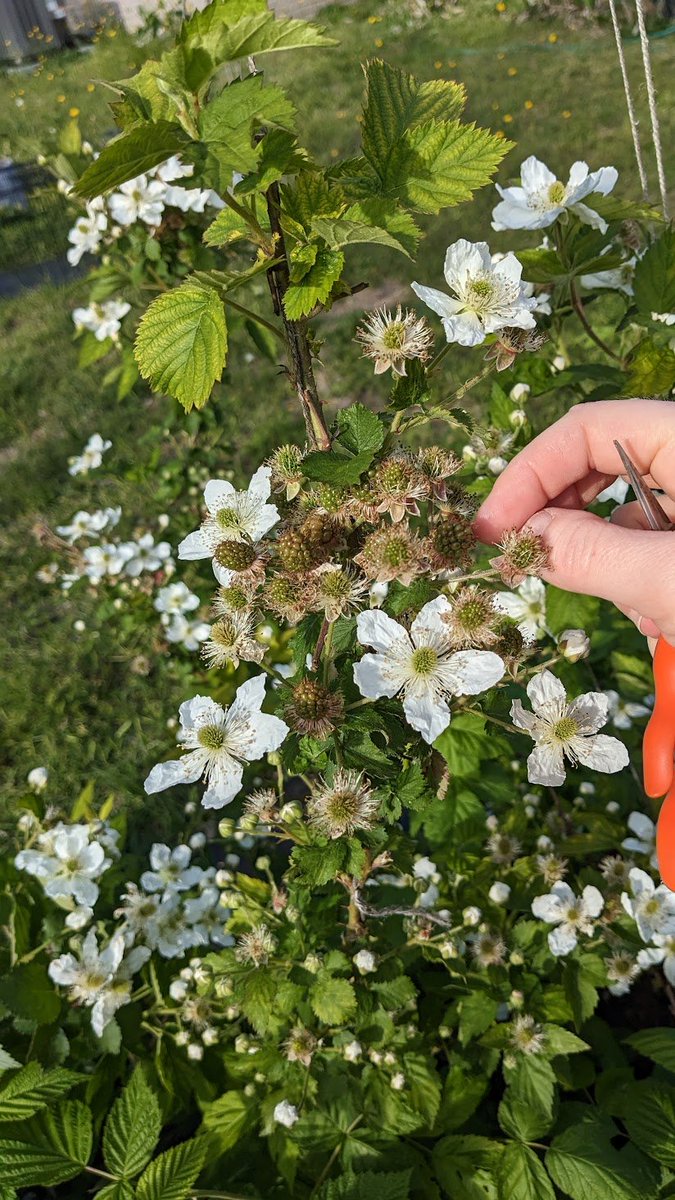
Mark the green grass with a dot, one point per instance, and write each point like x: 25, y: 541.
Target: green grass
x: 76, y: 702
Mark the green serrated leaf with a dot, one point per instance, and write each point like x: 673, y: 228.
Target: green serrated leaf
x: 657, y: 1044
x: 315, y: 287
x: 229, y: 1118
x: 255, y: 997
x: 333, y: 1000
x: 340, y: 231
x: 32, y: 1089
x: 181, y: 343
x: 444, y: 164
x: 324, y: 466
x: 654, y: 280
x: 651, y: 371
x: 318, y: 865
x: 390, y: 1185
x: 7, y: 1063
x: 464, y: 1165
x: 130, y: 155
x: 29, y: 993
x: 361, y: 430
x: 227, y: 228
x: 651, y: 1122
x: 132, y: 1129
x: 584, y: 1164
x: 228, y: 123
x: 566, y: 610
x: 53, y: 1147
x: 174, y: 1173
x: 396, y: 102
x: 522, y: 1176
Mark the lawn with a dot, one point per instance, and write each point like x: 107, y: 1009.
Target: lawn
x: 72, y: 701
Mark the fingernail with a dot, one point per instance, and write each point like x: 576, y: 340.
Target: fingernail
x: 539, y: 521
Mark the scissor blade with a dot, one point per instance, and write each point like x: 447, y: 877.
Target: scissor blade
x: 656, y: 516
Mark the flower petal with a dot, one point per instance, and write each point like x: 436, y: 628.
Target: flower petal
x: 592, y: 900
x: 374, y: 677
x: 374, y: 628
x: 225, y: 781
x: 601, y: 753
x: 545, y: 688
x: 590, y: 711
x: 545, y: 765
x: 426, y: 713
x: 562, y: 941
x: 169, y: 774
x: 194, y: 546
x: 522, y: 717
x: 437, y: 301
x: 475, y: 671
x: 429, y: 620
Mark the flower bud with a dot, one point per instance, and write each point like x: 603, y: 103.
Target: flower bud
x: 574, y: 644
x: 226, y: 827
x: 518, y: 418
x: 471, y: 915
x: 497, y: 464
x: 519, y: 392
x: 499, y: 892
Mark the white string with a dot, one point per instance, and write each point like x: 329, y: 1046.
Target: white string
x: 632, y: 115
x: 653, y: 112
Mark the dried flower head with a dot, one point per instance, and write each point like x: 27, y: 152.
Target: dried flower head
x: 616, y: 871
x: 286, y: 470
x: 339, y: 590
x: 488, y: 949
x: 435, y: 465
x: 622, y: 970
x: 512, y: 342
x: 503, y: 848
x: 256, y: 946
x: 236, y: 598
x: 526, y: 1036
x: 392, y: 553
x: 343, y: 806
x: 231, y: 640
x: 510, y: 641
x: 392, y: 338
x: 262, y: 804
x: 328, y: 498
x: 453, y: 542
x: 397, y: 485
x: 301, y: 547
x: 472, y: 620
x: 289, y: 597
x: 313, y: 708
x: 522, y: 553
x: 551, y: 868
x: 300, y: 1046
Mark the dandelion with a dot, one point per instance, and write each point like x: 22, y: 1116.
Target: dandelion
x: 392, y: 339
x: 421, y: 665
x: 570, y: 914
x: 485, y: 297
x: 561, y: 730
x: 256, y: 946
x: 219, y: 741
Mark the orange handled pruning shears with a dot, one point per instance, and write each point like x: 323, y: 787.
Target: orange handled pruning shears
x: 659, y: 739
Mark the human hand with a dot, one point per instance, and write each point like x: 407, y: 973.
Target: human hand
x: 549, y: 484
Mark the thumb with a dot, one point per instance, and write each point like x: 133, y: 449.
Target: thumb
x: 634, y: 568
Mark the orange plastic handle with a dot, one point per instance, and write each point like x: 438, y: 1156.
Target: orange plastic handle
x: 659, y: 757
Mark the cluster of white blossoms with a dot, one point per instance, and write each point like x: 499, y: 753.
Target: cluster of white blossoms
x: 139, y: 201
x: 91, y: 457
x: 174, y: 602
x: 104, y: 320
x: 175, y: 908
x: 69, y: 860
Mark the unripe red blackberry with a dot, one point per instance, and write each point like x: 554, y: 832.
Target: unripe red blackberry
x: 235, y: 556
x: 294, y: 551
x: 313, y: 708
x: 454, y: 540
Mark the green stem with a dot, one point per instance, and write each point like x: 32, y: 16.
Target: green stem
x: 579, y: 309
x: 273, y: 672
x: 462, y: 390
x: 435, y: 361
x: 336, y: 1152
x: 253, y: 316
x: 261, y: 237
x: 328, y: 651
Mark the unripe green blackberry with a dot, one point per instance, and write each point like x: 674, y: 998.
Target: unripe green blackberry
x: 454, y: 540
x: 329, y: 497
x: 235, y: 556
x: 320, y: 533
x: 294, y: 551
x: 313, y: 708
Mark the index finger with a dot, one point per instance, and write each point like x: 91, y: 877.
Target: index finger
x: 556, y: 466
